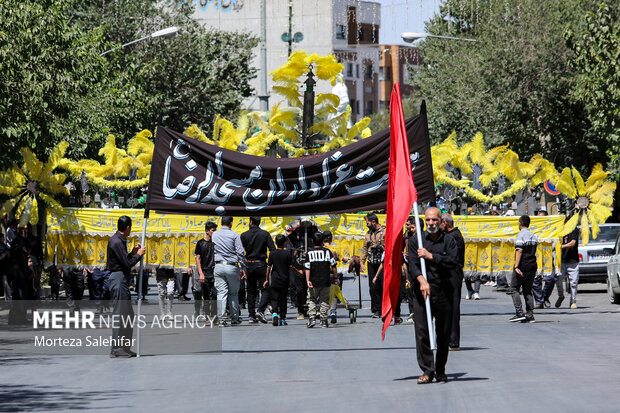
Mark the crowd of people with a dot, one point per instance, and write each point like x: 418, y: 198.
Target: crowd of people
x: 250, y: 270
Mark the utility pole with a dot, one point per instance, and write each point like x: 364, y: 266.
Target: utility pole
x: 289, y: 37
x: 263, y: 95
x: 290, y: 27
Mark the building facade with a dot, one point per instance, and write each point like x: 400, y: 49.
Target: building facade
x: 393, y: 67
x: 349, y: 29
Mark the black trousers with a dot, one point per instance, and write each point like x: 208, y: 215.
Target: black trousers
x: 441, y: 308
x: 182, y: 283
x: 455, y: 334
x: 242, y: 293
x: 122, y: 310
x: 376, y: 289
x: 301, y: 293
x: 55, y: 290
x: 256, y: 273
x: 524, y: 282
x: 17, y: 312
x: 208, y: 293
x: 402, y: 294
x: 278, y: 300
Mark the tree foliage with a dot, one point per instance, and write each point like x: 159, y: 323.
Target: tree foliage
x: 513, y: 84
x: 596, y: 59
x: 46, y: 67
x: 54, y: 85
x: 191, y: 78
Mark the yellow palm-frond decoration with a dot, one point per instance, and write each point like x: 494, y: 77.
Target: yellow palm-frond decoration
x: 32, y: 184
x: 544, y: 168
x: 193, y: 131
x: 593, y: 200
x: 492, y: 163
x: 118, y: 163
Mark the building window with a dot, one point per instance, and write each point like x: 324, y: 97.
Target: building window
x: 360, y: 35
x: 368, y: 108
x: 357, y: 71
x: 340, y: 31
x: 387, y: 73
x: 368, y: 71
x: 352, y: 103
x: 349, y: 69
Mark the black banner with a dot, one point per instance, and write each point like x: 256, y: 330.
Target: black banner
x: 190, y: 176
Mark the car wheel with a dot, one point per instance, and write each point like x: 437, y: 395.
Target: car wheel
x: 613, y: 297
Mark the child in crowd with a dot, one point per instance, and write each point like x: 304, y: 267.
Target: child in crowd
x: 327, y: 241
x: 203, y: 286
x: 278, y: 266
x: 320, y: 274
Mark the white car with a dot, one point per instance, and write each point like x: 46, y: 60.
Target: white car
x: 613, y: 274
x: 593, y: 257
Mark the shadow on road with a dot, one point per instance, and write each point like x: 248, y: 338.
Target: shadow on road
x: 451, y: 377
x: 19, y: 398
x: 314, y: 350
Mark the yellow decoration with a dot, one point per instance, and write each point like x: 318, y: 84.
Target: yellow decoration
x: 118, y: 163
x: 80, y: 236
x: 30, y: 184
x: 496, y: 161
x: 594, y: 200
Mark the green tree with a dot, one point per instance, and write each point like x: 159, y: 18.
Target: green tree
x: 513, y: 84
x: 596, y: 58
x: 188, y: 79
x: 381, y: 120
x: 46, y: 67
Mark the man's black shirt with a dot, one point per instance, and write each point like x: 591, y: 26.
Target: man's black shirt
x: 444, y: 250
x: 118, y: 257
x: 571, y: 255
x: 457, y: 272
x: 206, y: 251
x: 256, y: 241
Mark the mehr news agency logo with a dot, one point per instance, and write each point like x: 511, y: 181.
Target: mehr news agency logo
x: 82, y: 320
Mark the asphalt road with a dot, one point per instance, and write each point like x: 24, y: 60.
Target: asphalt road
x: 568, y: 361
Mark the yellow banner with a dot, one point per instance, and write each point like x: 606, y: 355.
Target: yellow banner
x: 79, y: 237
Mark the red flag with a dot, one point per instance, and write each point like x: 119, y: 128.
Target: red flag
x: 400, y: 197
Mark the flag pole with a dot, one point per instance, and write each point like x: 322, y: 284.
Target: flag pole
x: 429, y: 317
x: 140, y: 272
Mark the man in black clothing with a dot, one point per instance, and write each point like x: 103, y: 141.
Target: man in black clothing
x: 18, y: 268
x: 410, y: 232
x: 119, y: 265
x: 440, y: 255
x: 456, y: 278
x: 255, y: 242
x: 204, y: 284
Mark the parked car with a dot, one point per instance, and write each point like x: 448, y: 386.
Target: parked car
x: 593, y: 258
x: 613, y: 274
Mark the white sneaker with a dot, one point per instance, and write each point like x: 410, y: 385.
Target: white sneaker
x: 409, y: 319
x: 467, y: 297
x: 476, y: 296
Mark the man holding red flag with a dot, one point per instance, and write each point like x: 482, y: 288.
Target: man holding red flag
x: 438, y: 251
x: 440, y: 255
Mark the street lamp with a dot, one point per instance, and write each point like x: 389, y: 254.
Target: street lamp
x: 411, y: 37
x: 167, y: 32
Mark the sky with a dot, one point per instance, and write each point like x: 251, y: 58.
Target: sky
x: 399, y: 16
